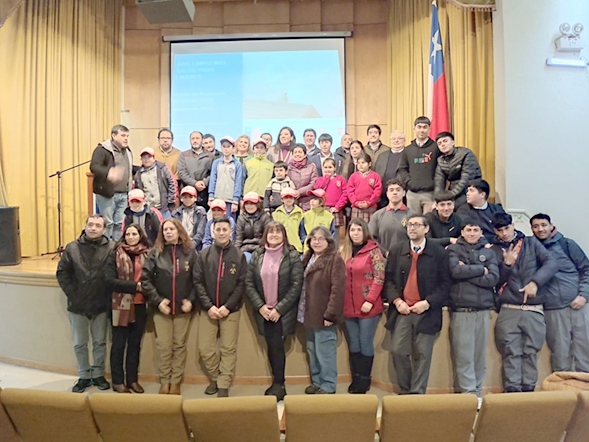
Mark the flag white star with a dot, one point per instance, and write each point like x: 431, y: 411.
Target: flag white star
x: 437, y: 45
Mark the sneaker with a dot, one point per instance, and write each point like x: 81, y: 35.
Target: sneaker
x: 81, y: 385
x: 312, y: 389
x: 212, y: 388
x: 101, y: 383
x: 320, y: 391
x: 223, y: 392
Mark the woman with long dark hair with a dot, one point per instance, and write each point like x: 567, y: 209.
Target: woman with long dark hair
x: 129, y: 312
x: 321, y: 308
x: 363, y: 305
x: 273, y: 285
x: 167, y: 282
x: 282, y: 150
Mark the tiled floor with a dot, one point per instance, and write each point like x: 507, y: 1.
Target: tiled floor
x: 13, y: 376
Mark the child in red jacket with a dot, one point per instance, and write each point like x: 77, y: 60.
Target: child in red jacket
x: 364, y: 189
x: 336, y: 194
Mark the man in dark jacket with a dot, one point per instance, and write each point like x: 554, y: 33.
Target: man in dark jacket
x: 417, y: 167
x: 475, y: 273
x: 157, y: 182
x: 194, y: 168
x: 342, y: 153
x: 387, y: 163
x: 457, y: 166
x: 478, y: 207
x: 525, y: 268
x: 112, y: 166
x: 81, y: 277
x: 444, y: 225
x: 567, y: 316
x: 417, y: 285
x: 219, y: 278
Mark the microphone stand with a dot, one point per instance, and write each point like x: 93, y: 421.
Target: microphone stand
x: 58, y: 174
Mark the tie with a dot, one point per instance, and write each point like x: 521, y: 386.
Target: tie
x: 416, y: 249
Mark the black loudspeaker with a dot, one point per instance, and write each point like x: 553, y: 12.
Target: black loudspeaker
x: 167, y: 11
x: 9, y: 237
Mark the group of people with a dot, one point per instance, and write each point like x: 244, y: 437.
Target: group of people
x: 426, y: 239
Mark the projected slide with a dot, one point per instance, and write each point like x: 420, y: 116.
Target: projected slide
x: 235, y: 92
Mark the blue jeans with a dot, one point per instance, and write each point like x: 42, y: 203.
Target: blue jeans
x: 112, y: 209
x: 97, y: 326
x: 361, y: 333
x: 322, y: 351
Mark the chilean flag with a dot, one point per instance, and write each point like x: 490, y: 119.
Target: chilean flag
x: 437, y: 97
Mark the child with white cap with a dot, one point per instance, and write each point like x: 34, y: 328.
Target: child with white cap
x: 226, y: 181
x: 218, y: 210
x: 139, y: 212
x: 250, y: 224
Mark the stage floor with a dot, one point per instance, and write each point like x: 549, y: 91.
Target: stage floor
x: 37, y: 271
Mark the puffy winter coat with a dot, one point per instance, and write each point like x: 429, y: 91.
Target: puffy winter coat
x: 365, y: 281
x: 458, y: 168
x: 249, y: 230
x: 290, y: 284
x: 534, y: 263
x: 304, y: 180
x: 471, y: 287
x: 80, y: 274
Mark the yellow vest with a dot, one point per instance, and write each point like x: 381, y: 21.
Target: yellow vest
x: 291, y: 223
x: 316, y: 217
x: 259, y: 174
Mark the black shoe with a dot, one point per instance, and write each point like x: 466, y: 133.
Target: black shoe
x: 354, y: 357
x: 223, y: 392
x: 81, y: 385
x: 212, y: 388
x: 101, y: 383
x: 312, y: 389
x: 320, y: 391
x: 278, y: 390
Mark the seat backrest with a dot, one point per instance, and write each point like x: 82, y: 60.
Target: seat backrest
x: 139, y: 418
x: 7, y: 430
x: 578, y: 428
x: 428, y: 418
x: 50, y: 416
x: 330, y: 418
x: 243, y: 419
x: 525, y: 417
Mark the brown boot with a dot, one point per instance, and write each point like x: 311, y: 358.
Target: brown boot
x: 175, y: 389
x: 164, y: 389
x: 120, y: 388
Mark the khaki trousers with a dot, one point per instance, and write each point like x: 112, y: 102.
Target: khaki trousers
x: 171, y: 334
x: 220, y: 366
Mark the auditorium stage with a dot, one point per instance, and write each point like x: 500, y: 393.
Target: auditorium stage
x: 35, y: 332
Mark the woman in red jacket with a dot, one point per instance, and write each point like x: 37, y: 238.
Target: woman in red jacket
x: 363, y: 305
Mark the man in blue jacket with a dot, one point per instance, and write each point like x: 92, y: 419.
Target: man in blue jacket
x: 525, y: 269
x: 567, y: 316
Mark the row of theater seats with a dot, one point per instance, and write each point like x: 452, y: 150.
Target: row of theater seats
x: 65, y: 417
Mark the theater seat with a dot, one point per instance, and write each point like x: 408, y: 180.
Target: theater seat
x: 139, y: 418
x: 242, y: 419
x: 7, y: 430
x: 578, y: 428
x: 330, y: 418
x: 525, y: 417
x: 428, y: 418
x: 50, y: 416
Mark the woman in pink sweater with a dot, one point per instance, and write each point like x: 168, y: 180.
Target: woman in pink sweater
x: 303, y: 174
x: 336, y: 193
x: 364, y: 189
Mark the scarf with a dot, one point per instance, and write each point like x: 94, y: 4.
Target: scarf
x: 299, y: 164
x: 303, y: 300
x: 269, y: 273
x: 123, y: 307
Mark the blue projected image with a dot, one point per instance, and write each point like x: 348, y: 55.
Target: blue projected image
x: 255, y: 92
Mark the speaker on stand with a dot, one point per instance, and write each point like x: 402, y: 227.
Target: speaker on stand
x: 9, y: 237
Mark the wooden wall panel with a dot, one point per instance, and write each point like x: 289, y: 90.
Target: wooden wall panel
x: 208, y: 15
x: 249, y: 13
x: 306, y: 28
x: 337, y: 12
x: 206, y: 30
x: 256, y: 28
x: 370, y: 66
x: 305, y: 12
x: 142, y: 77
x: 371, y: 12
x: 134, y: 19
x: 140, y: 138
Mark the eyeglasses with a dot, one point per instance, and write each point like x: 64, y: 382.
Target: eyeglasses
x: 318, y: 239
x: 415, y: 225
